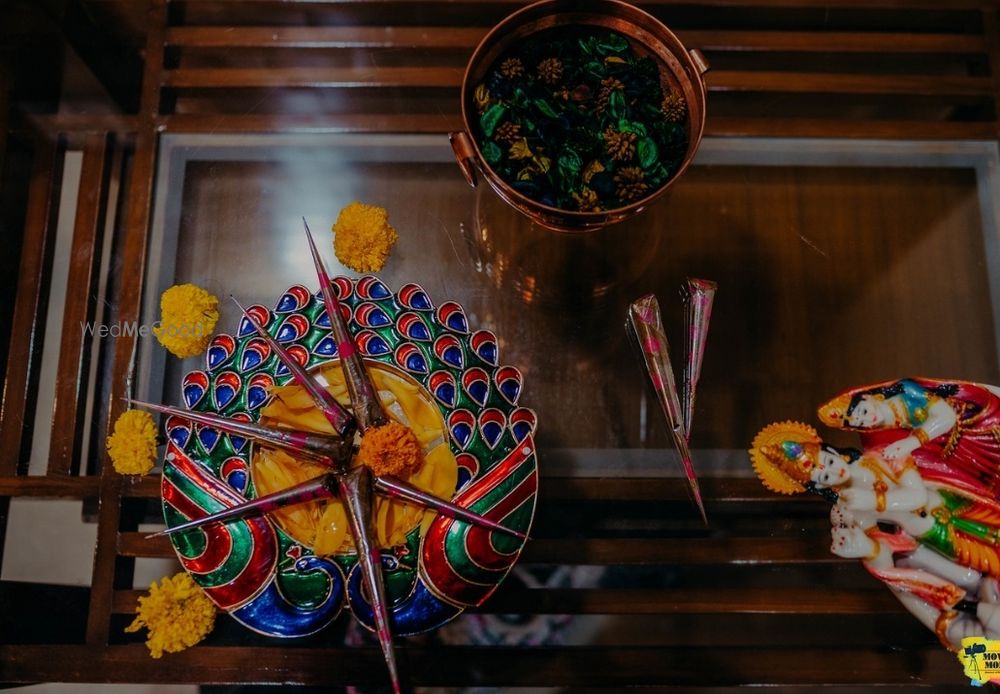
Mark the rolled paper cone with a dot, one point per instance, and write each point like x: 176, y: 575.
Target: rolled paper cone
x: 697, y: 296
x: 339, y: 418
x: 322, y: 487
x: 328, y: 448
x: 646, y: 324
x: 367, y: 407
x: 387, y: 485
x: 356, y: 492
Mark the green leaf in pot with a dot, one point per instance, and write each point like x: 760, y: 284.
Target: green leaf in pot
x: 627, y: 126
x: 647, y: 152
x: 543, y: 106
x: 569, y: 165
x: 612, y: 43
x: 616, y: 105
x: 492, y: 152
x: 491, y: 118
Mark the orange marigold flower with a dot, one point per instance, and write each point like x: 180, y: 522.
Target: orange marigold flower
x: 392, y: 449
x: 132, y: 446
x: 177, y: 613
x: 363, y: 237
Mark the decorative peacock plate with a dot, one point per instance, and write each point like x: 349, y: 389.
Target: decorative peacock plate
x: 268, y: 575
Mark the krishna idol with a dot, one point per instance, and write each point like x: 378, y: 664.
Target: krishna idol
x: 934, y: 541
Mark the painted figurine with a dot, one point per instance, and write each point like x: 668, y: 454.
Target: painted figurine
x: 951, y: 429
x: 940, y: 558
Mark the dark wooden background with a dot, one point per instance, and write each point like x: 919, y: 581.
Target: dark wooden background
x: 758, y: 599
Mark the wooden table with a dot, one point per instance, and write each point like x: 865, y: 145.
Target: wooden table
x: 843, y: 201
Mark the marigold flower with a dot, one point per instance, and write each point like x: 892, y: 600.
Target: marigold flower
x: 391, y: 449
x: 132, y: 446
x: 188, y: 317
x: 363, y: 237
x: 177, y: 613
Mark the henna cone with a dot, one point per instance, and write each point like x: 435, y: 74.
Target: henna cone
x: 322, y: 487
x: 697, y: 296
x: 388, y: 485
x: 368, y: 408
x: 647, y: 327
x: 339, y: 418
x: 356, y: 493
x: 336, y: 450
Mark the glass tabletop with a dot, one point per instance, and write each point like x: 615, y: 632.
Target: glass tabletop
x: 838, y: 263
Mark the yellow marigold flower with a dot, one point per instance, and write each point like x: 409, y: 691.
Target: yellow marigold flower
x: 363, y: 237
x: 391, y: 449
x: 132, y: 446
x: 177, y: 613
x: 188, y: 317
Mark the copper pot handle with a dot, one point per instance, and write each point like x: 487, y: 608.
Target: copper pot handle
x: 465, y: 154
x: 700, y: 62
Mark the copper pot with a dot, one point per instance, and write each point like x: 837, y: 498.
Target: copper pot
x: 680, y: 69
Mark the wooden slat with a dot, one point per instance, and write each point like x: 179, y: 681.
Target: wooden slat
x: 828, y: 83
x: 727, y: 126
x: 469, y: 37
x: 145, y: 487
x: 687, y: 551
x: 833, y: 41
x: 58, y: 486
x: 313, y: 77
x: 991, y: 25
x: 281, y: 123
x: 809, y: 549
x: 682, y: 601
x: 718, y: 490
x: 455, y: 666
x: 694, y: 601
x: 298, y: 5
x: 28, y: 323
x: 133, y: 256
x: 325, y: 37
x: 85, y: 254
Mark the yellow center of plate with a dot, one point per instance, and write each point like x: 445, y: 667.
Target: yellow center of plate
x: 322, y: 525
